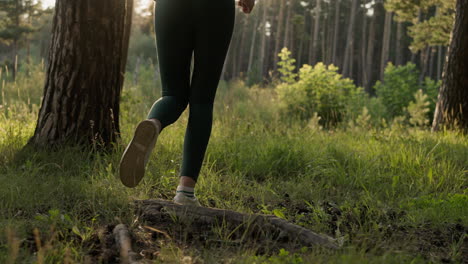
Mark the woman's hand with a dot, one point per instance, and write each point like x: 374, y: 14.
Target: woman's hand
x: 247, y: 5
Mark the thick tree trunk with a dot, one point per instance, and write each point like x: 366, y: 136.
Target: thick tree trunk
x: 85, y: 73
x: 452, y: 105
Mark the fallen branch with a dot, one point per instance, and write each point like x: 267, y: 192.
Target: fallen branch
x: 244, y: 225
x: 124, y: 243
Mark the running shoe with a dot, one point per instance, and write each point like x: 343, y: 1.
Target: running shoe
x: 137, y: 153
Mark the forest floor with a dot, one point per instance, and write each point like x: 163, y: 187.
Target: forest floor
x: 393, y: 195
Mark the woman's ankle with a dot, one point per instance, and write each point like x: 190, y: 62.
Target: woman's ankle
x: 187, y: 182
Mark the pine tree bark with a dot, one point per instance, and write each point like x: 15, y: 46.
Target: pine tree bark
x: 287, y: 29
x: 263, y: 39
x: 279, y: 33
x: 414, y: 55
x: 440, y: 62
x: 386, y: 43
x: 85, y: 73
x: 235, y: 52
x: 336, y: 33
x: 16, y: 40
x: 241, y: 54
x: 370, y: 55
x: 252, y: 45
x: 330, y: 33
x: 452, y: 105
x: 424, y: 63
x: 323, y: 53
x: 362, y: 64
x: 432, y: 62
x: 350, y: 40
x: 399, y: 44
x: 301, y: 42
x: 316, y: 32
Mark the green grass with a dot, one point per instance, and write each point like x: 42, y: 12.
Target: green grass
x: 393, y: 195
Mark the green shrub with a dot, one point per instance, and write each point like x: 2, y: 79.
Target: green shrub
x: 399, y: 85
x: 286, y: 66
x: 418, y: 109
x: 431, y: 89
x: 375, y: 108
x: 319, y: 89
x: 363, y: 121
x: 141, y: 46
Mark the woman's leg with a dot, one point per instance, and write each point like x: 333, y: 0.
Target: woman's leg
x: 167, y: 109
x: 213, y: 32
x: 174, y: 39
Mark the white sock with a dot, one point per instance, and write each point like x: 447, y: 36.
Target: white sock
x: 189, y: 192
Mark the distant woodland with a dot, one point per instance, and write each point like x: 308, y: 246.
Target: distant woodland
x: 359, y: 36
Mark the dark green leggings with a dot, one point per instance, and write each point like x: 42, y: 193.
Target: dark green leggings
x: 183, y: 27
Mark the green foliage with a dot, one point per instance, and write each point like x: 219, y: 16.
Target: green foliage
x: 314, y: 122
x: 17, y: 18
x: 399, y: 85
x: 371, y: 187
x: 439, y: 209
x: 432, y: 32
x: 418, y: 110
x: 283, y: 256
x: 362, y: 122
x: 254, y: 76
x: 429, y: 28
x: 287, y: 66
x: 319, y: 89
x: 142, y: 46
x: 431, y: 89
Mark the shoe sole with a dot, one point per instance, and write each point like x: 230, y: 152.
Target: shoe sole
x: 132, y: 164
x: 185, y: 201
